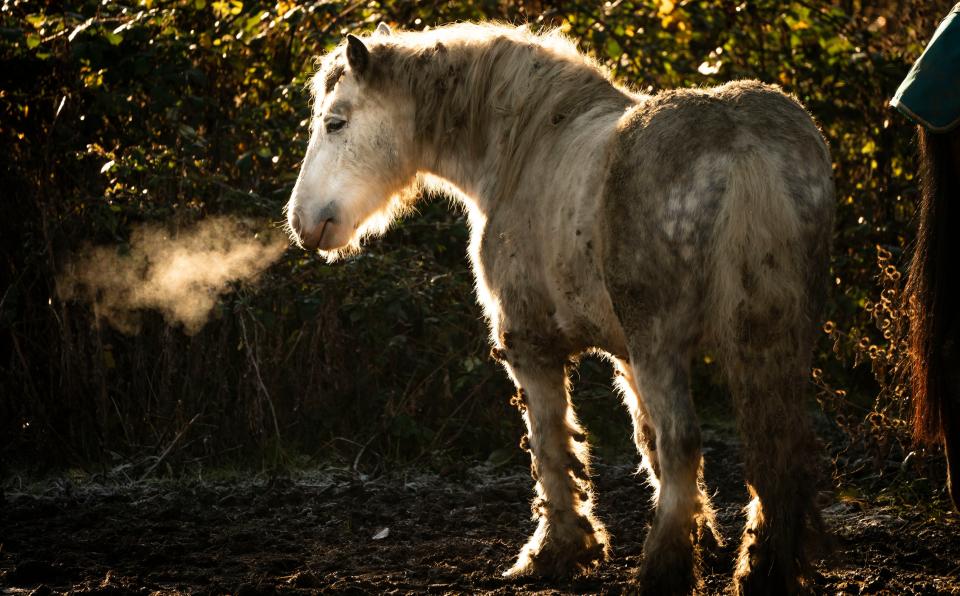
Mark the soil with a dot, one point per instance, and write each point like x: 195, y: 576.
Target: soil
x: 449, y: 532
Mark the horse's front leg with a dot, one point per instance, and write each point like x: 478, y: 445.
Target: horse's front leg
x: 568, y: 539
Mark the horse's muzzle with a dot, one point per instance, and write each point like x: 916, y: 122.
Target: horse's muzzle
x: 322, y: 235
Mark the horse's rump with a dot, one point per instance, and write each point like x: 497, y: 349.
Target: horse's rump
x: 733, y: 193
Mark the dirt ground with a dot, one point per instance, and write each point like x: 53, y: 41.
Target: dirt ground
x: 454, y: 532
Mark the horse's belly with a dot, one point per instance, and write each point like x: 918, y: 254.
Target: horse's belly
x: 584, y: 311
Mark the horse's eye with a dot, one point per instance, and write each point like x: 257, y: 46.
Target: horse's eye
x: 334, y: 124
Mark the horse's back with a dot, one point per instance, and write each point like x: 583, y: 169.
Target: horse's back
x: 727, y: 193
x: 662, y: 137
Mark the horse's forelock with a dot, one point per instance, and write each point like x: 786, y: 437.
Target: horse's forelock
x: 332, y: 75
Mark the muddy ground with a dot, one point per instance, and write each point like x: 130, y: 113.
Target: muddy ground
x: 452, y: 532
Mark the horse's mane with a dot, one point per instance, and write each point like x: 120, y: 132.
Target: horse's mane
x: 466, y: 76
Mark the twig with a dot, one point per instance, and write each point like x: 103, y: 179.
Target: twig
x: 170, y: 447
x: 336, y: 19
x: 256, y: 370
x: 356, y: 460
x: 468, y: 399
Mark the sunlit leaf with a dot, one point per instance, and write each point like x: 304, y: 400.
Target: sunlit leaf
x: 37, y: 20
x: 225, y: 8
x: 113, y: 38
x: 613, y: 49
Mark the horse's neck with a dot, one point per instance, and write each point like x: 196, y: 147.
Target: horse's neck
x: 484, y: 182
x: 502, y: 172
x: 492, y: 132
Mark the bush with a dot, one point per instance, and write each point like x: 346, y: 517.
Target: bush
x: 117, y: 115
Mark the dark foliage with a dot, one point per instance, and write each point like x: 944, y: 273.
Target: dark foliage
x: 112, y: 114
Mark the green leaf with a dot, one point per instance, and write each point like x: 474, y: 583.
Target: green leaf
x: 224, y: 8
x: 33, y: 40
x: 37, y: 20
x: 113, y: 39
x: 613, y: 49
x: 255, y: 20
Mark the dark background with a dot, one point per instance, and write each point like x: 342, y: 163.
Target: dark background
x: 380, y: 360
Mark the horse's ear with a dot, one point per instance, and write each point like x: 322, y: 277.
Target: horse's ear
x: 358, y: 56
x: 383, y: 29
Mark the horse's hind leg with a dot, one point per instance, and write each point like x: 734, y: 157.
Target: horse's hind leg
x: 769, y: 379
x: 670, y: 561
x: 645, y: 438
x: 568, y: 538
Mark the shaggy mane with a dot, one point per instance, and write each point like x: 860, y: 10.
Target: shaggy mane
x: 481, y: 88
x: 331, y: 65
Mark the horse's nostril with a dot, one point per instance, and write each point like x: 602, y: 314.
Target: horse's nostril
x: 328, y: 213
x: 295, y: 223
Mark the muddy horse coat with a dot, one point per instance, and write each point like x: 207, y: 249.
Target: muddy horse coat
x: 644, y: 228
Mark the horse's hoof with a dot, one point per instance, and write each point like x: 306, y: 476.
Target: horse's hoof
x: 652, y: 584
x: 757, y: 583
x: 551, y: 563
x: 763, y: 575
x: 669, y: 571
x: 564, y: 553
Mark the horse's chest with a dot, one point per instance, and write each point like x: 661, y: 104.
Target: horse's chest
x: 510, y: 268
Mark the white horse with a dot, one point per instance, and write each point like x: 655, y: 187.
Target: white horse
x: 640, y: 227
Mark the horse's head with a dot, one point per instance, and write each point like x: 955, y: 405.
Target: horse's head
x: 358, y: 162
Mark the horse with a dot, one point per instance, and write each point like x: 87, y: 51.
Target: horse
x: 931, y: 295
x: 643, y: 228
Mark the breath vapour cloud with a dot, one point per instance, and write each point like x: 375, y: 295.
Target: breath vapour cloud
x: 182, y: 275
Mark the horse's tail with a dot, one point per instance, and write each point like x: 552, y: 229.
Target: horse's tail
x: 768, y: 279
x: 933, y: 299
x: 770, y: 256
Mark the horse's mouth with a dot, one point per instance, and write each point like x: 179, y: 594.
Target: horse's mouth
x: 318, y: 244
x: 323, y: 230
